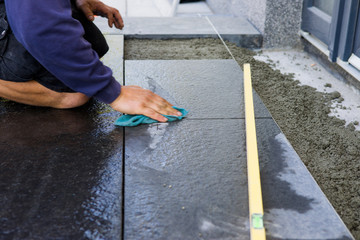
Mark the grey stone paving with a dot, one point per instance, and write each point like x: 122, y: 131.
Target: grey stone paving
x: 207, y: 88
x: 61, y: 174
x: 203, y: 159
x: 186, y: 187
x: 237, y: 30
x: 294, y: 205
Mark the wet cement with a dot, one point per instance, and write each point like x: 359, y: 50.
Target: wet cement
x: 328, y: 148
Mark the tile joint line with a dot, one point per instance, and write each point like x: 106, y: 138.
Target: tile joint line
x: 123, y: 171
x: 216, y: 31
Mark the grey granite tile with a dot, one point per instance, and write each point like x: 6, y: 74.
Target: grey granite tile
x: 189, y: 25
x: 180, y: 184
x: 237, y: 30
x: 61, y: 170
x: 61, y: 173
x: 188, y: 180
x: 208, y: 88
x: 294, y: 205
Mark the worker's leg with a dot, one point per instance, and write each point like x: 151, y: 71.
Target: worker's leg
x: 33, y: 93
x: 18, y: 68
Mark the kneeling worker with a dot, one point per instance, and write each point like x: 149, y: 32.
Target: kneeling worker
x: 49, y: 56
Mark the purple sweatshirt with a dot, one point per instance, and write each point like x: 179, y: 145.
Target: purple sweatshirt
x: 50, y: 34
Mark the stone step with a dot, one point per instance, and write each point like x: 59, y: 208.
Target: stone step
x: 237, y: 30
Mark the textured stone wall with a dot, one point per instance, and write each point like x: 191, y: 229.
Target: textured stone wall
x: 282, y: 23
x: 278, y: 20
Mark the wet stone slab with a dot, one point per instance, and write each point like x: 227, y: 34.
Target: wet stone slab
x: 61, y: 173
x: 294, y: 205
x: 180, y: 184
x: 187, y: 180
x: 207, y: 88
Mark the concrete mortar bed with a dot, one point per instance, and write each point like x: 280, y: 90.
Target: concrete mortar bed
x: 328, y: 148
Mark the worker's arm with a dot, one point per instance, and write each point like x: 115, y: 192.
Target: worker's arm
x: 133, y: 99
x: 47, y: 30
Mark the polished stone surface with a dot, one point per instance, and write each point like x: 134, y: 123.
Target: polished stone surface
x: 191, y: 175
x: 61, y: 173
x: 186, y: 187
x: 191, y: 183
x: 206, y: 88
x: 294, y: 205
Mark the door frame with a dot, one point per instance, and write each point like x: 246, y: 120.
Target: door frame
x: 316, y: 21
x: 336, y: 32
x: 348, y: 29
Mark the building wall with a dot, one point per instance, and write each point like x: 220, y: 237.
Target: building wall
x: 278, y: 20
x: 282, y: 23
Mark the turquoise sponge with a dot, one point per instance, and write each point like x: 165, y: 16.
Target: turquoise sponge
x: 134, y: 120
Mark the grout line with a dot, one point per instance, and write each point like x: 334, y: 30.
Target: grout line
x: 123, y: 65
x: 123, y: 166
x: 263, y: 118
x: 212, y: 25
x: 200, y: 119
x: 215, y: 118
x: 226, y: 118
x: 123, y: 190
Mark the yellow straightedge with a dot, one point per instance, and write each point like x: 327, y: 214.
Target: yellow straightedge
x: 256, y: 212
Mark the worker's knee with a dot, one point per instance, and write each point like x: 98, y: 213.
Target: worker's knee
x: 70, y: 100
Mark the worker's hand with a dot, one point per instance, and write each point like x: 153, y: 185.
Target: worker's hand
x: 95, y: 7
x: 136, y: 100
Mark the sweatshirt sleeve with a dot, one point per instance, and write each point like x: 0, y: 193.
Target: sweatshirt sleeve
x: 50, y: 34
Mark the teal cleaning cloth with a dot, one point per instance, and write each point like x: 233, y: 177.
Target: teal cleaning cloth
x: 134, y: 120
